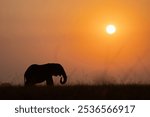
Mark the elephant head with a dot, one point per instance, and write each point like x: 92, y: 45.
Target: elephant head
x: 59, y: 70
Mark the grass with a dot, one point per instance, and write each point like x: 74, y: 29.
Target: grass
x: 77, y: 92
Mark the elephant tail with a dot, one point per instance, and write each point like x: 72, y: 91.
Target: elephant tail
x: 25, y: 80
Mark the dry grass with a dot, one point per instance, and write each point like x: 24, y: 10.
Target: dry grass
x: 77, y: 92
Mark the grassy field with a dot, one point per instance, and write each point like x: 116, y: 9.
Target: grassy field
x: 78, y: 92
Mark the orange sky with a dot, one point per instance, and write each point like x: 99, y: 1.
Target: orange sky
x: 72, y: 32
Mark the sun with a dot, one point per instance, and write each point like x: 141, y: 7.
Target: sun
x: 110, y: 29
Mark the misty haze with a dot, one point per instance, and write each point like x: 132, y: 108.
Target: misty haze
x: 97, y: 42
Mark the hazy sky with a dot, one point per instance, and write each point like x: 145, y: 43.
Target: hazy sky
x: 72, y: 32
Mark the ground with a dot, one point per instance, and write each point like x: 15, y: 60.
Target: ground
x: 77, y: 92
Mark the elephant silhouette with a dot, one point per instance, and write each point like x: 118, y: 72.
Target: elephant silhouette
x: 40, y: 73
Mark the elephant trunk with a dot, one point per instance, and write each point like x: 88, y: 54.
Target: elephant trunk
x: 63, y: 78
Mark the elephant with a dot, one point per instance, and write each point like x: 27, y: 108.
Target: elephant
x: 40, y: 73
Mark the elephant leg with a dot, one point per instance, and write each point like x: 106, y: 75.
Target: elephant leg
x: 49, y: 81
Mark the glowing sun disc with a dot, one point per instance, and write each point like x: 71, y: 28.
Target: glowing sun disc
x: 110, y: 29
